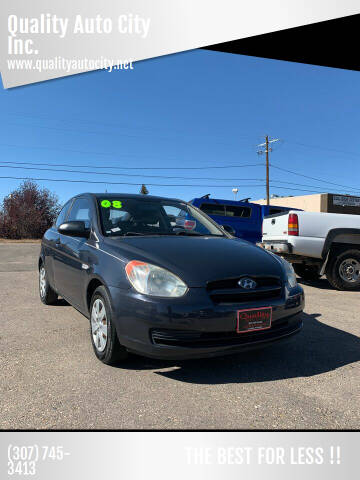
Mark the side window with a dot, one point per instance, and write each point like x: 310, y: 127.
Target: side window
x: 234, y: 211
x: 273, y: 211
x: 173, y: 214
x: 62, y: 214
x: 80, y: 210
x: 213, y: 209
x: 226, y: 210
x: 182, y: 218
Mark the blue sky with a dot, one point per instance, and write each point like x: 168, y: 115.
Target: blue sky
x: 193, y: 109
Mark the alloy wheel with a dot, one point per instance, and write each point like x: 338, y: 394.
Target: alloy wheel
x: 99, y: 325
x: 42, y: 282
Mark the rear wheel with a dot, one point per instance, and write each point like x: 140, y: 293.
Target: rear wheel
x: 47, y: 295
x: 343, y: 270
x: 104, y: 338
x: 307, y: 272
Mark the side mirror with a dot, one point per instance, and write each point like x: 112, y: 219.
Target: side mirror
x: 229, y: 229
x: 74, y: 229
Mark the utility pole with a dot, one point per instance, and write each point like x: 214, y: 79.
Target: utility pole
x: 266, y: 151
x: 267, y: 170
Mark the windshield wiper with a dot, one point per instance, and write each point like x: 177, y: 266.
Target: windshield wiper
x: 180, y: 232
x: 132, y: 234
x: 186, y: 232
x: 149, y: 234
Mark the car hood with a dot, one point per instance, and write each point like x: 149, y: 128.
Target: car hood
x: 197, y: 260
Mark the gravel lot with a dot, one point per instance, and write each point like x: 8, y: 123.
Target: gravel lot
x: 50, y: 378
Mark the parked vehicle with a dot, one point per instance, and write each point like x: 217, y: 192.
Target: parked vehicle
x: 241, y: 218
x: 317, y: 243
x: 156, y: 276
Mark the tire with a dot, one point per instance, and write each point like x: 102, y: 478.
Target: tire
x: 307, y: 272
x: 47, y: 295
x: 108, y: 349
x: 343, y: 270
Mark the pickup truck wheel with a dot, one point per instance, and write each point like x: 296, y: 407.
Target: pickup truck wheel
x: 343, y: 271
x: 104, y: 338
x: 307, y: 272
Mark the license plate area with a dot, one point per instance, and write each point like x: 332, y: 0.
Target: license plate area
x: 253, y: 319
x: 277, y: 247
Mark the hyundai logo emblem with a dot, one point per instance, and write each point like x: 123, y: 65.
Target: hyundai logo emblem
x: 247, y: 283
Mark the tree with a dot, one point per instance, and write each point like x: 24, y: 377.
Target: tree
x: 144, y: 190
x: 28, y: 211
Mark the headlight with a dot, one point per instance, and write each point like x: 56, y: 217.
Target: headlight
x: 290, y: 273
x: 152, y: 280
x: 291, y: 277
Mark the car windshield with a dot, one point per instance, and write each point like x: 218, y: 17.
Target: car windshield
x: 134, y: 217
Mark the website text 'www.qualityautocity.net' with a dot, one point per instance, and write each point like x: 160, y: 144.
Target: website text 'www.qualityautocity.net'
x: 69, y: 64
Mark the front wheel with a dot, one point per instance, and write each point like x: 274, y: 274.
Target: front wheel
x: 104, y: 338
x: 343, y: 271
x: 47, y: 295
x: 307, y: 272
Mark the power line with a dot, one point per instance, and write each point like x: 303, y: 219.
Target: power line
x: 121, y: 183
x: 328, y: 149
x: 152, y: 128
x: 313, y: 178
x: 301, y: 189
x: 120, y: 126
x: 232, y: 180
x: 151, y: 184
x: 301, y: 184
x: 129, y: 174
x: 151, y: 176
x: 105, y: 133
x: 85, y: 152
x: 208, y: 167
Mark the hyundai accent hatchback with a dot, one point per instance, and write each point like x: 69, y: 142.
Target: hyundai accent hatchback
x: 157, y: 277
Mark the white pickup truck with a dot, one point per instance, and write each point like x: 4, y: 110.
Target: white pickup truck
x: 317, y: 243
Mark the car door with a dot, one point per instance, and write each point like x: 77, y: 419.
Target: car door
x: 50, y: 243
x: 70, y: 260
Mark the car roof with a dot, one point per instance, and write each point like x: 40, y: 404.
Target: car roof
x: 136, y: 196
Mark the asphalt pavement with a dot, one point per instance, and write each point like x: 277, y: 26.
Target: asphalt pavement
x: 51, y: 379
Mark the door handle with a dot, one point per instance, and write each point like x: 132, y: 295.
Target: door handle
x: 57, y: 242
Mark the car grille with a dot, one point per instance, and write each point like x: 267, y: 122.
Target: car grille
x: 227, y: 291
x: 192, y: 339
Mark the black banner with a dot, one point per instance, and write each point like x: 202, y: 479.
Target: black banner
x: 331, y: 44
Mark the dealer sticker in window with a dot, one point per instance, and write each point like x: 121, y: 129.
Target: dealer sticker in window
x: 113, y: 203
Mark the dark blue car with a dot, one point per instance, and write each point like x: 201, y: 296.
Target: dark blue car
x: 156, y: 276
x: 242, y: 218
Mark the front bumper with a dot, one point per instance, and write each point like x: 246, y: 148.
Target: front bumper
x: 193, y: 327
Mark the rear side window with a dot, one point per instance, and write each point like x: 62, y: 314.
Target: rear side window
x: 273, y: 211
x: 213, y: 209
x: 234, y: 211
x: 226, y: 210
x: 80, y: 210
x: 62, y: 214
